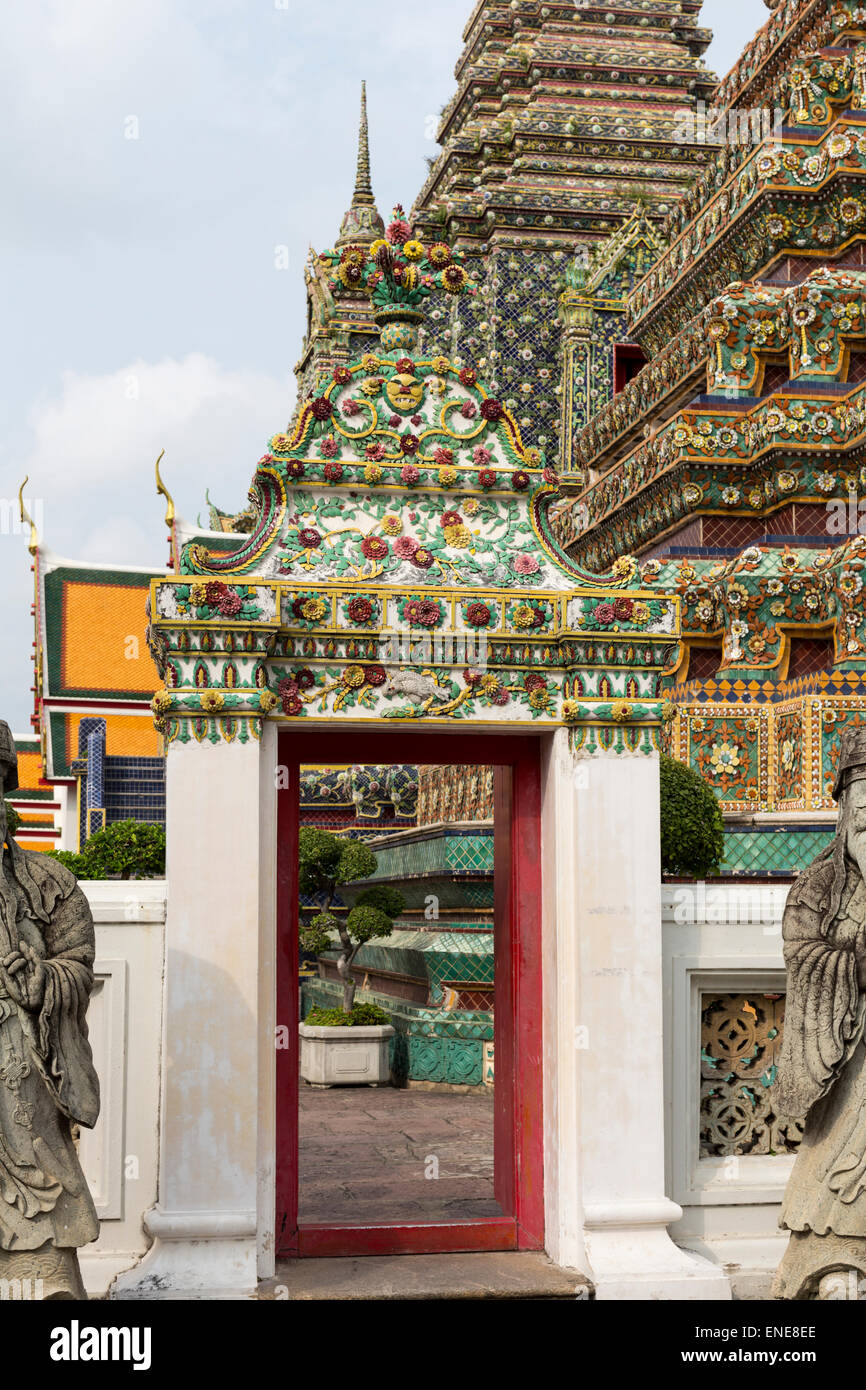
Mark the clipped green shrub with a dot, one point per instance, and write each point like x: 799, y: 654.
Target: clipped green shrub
x: 75, y: 863
x: 125, y: 849
x: 693, y: 841
x: 360, y: 1015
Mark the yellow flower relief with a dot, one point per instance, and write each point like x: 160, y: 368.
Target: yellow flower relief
x: 458, y: 536
x: 353, y: 676
x: 372, y: 473
x: 447, y: 477
x: 314, y: 608
x: 392, y: 525
x: 524, y: 616
x: 621, y: 712
x: 414, y: 250
x: 198, y: 594
x: 440, y: 365
x: 211, y: 701
x: 268, y: 701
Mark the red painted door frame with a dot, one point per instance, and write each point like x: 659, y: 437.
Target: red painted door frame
x: 518, y: 1133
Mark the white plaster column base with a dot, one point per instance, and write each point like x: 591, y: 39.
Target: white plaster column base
x: 210, y: 1255
x: 606, y: 1206
x: 750, y: 1262
x: 633, y: 1257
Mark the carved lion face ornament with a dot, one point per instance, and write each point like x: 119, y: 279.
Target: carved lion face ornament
x: 405, y: 393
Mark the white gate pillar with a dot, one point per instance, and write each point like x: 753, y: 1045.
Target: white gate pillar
x: 606, y: 1209
x: 215, y: 1209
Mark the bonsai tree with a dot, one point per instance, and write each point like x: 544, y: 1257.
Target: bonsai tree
x: 325, y: 862
x: 693, y: 841
x: 125, y: 849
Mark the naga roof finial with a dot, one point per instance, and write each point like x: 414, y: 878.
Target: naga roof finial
x: 163, y: 491
x: 33, y: 543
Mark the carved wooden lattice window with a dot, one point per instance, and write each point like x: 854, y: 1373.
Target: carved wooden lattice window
x: 741, y: 1036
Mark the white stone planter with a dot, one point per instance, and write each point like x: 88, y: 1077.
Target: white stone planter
x: 346, y: 1056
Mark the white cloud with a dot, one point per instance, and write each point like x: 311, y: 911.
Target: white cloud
x: 90, y: 458
x: 103, y: 433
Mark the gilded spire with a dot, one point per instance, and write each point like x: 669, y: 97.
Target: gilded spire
x: 362, y: 223
x: 363, y: 186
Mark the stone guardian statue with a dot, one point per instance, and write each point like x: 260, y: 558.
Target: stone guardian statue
x: 822, y: 1069
x: 47, y: 1080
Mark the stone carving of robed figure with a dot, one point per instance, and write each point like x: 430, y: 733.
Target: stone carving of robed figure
x: 822, y: 1069
x: 47, y: 1080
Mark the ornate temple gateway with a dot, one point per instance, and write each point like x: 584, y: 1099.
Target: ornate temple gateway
x: 573, y: 476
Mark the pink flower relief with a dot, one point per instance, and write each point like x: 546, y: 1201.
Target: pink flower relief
x: 328, y: 447
x: 469, y: 410
x: 351, y: 408
x: 375, y: 452
x: 481, y: 456
x: 405, y: 547
x: 524, y: 564
x: 409, y: 474
x: 444, y: 457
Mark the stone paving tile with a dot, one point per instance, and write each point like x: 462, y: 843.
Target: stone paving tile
x: 363, y: 1153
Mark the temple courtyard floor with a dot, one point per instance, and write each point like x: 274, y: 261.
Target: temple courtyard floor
x: 374, y: 1154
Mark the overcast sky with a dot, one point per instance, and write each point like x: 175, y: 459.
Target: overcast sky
x: 159, y: 161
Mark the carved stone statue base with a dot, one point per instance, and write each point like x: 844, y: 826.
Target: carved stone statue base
x: 43, y: 1274
x: 822, y: 1268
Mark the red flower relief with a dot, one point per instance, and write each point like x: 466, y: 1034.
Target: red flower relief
x: 450, y: 519
x: 375, y: 675
x: 405, y: 365
x: 520, y: 480
x: 322, y: 408
x: 471, y: 676
x: 342, y: 376
x: 360, y: 610
x: 492, y: 410
x: 422, y: 558
x: 292, y: 705
x: 478, y: 615
x: 533, y: 681
x: 374, y: 547
x: 409, y: 443
x: 623, y: 608
x: 310, y: 539
x: 295, y: 469
x: 305, y: 678
x: 443, y: 457
x: 424, y: 612
x: 214, y: 592
x: 333, y: 472
x: 487, y: 477
x: 287, y: 687
x: 468, y: 377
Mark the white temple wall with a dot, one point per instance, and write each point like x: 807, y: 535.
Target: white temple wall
x: 624, y: 975
x: 720, y: 939
x: 120, y: 1155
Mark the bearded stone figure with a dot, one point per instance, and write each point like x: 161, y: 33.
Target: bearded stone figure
x: 822, y: 1070
x: 47, y: 1080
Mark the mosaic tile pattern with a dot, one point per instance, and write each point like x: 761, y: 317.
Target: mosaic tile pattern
x: 774, y: 851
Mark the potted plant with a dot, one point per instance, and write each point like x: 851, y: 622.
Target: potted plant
x: 348, y: 1046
